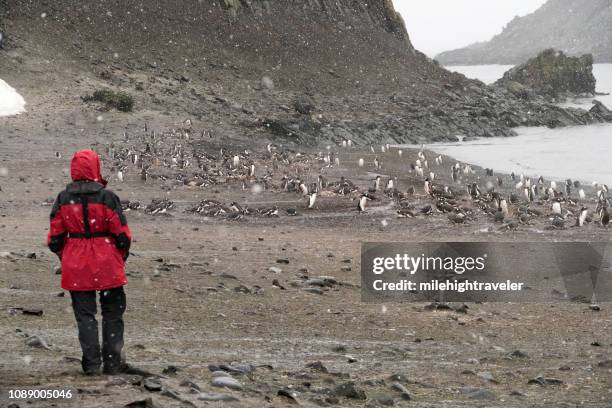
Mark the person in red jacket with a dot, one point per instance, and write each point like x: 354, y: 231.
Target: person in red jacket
x: 91, y: 236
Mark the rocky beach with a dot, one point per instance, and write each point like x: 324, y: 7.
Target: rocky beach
x: 239, y: 294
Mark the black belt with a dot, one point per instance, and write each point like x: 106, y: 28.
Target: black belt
x: 80, y: 235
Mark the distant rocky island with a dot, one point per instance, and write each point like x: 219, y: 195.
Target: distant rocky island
x: 575, y: 27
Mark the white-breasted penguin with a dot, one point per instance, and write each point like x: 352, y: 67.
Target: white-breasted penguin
x: 361, y: 206
x: 582, y: 215
x: 556, y: 208
x: 312, y: 198
x: 361, y: 162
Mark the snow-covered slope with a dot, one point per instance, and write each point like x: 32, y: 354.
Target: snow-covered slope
x: 11, y: 103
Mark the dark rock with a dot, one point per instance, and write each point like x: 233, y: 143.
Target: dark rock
x: 553, y: 74
x: 170, y: 370
x: 605, y: 364
x: 317, y: 366
x: 544, y: 381
x: 350, y: 390
x: 518, y: 354
x: 404, y: 393
x: 290, y: 395
x: 145, y: 403
x: 303, y: 105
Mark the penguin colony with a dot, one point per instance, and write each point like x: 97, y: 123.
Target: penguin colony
x: 179, y: 158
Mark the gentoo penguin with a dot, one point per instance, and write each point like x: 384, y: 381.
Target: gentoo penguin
x: 143, y: 174
x: 252, y: 170
x: 377, y: 183
x: 321, y: 183
x: 376, y: 162
x: 400, y: 152
x: 553, y: 185
x: 372, y: 149
x: 390, y: 184
x: 361, y: 162
x: 503, y: 207
x: 419, y: 171
x: 513, y: 176
x: 120, y: 176
x: 581, y: 194
x: 344, y: 143
x: 361, y: 206
x: 604, y: 216
x: 418, y: 163
x: 350, y: 143
x: 303, y: 188
x: 454, y: 174
x: 337, y: 161
x: 58, y: 155
x: 500, y: 181
x: 556, y: 208
x: 582, y: 215
x: 312, y: 198
x: 382, y: 149
x: 439, y: 160
x: 236, y: 161
x: 432, y: 175
x: 427, y: 187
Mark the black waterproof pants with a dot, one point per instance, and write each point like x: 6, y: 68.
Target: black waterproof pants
x: 112, y: 302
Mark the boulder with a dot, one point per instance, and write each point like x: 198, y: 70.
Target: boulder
x: 551, y: 74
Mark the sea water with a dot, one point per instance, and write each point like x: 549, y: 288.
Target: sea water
x: 577, y: 152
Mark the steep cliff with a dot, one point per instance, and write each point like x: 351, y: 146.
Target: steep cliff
x: 575, y: 27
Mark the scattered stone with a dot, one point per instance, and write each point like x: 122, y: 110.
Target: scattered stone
x: 462, y: 308
x: 145, y: 403
x: 350, y: 390
x: 487, y: 376
x: 38, y: 342
x: 32, y: 312
x: 282, y: 261
x: 289, y: 395
x: 605, y: 364
x: 170, y: 370
x: 518, y: 354
x: 317, y: 366
x: 595, y: 308
x: 274, y: 269
x: 210, y: 396
x: 541, y: 381
x: 404, y: 393
x: 226, y: 382
x: 316, y: 291
x: 478, y: 393
x: 152, y: 384
x: 190, y: 384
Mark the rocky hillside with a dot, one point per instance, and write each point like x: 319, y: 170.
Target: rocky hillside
x: 574, y: 26
x: 306, y: 43
x: 304, y: 72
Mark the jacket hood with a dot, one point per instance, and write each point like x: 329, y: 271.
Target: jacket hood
x: 85, y: 165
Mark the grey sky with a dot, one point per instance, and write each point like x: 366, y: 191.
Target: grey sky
x: 439, y: 25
